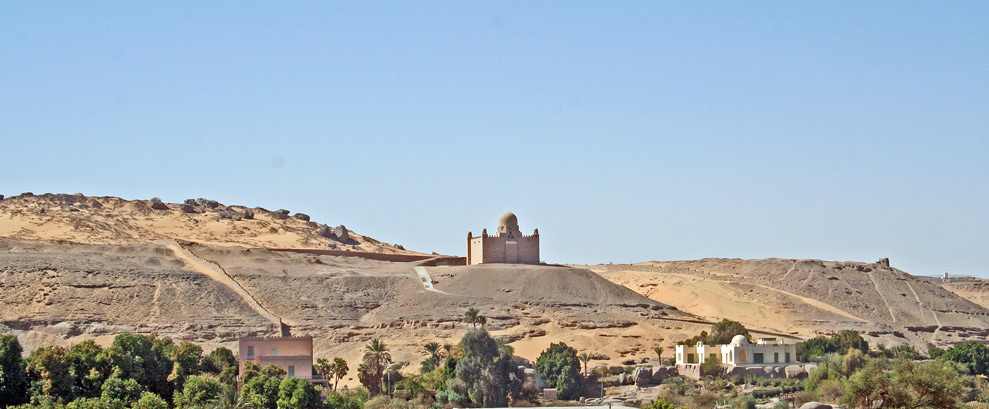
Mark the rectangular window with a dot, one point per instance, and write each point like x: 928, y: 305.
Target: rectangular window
x: 787, y: 357
x: 690, y: 359
x: 776, y: 357
x: 250, y: 352
x: 291, y: 370
x: 757, y: 358
x: 272, y: 352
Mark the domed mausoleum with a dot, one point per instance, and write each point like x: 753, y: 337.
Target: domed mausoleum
x: 509, y: 245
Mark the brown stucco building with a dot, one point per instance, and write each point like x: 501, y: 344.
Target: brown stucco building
x: 509, y: 245
x: 293, y: 354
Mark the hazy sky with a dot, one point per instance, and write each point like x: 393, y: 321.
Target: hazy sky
x: 624, y: 131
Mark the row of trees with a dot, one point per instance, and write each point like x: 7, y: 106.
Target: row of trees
x: 151, y: 372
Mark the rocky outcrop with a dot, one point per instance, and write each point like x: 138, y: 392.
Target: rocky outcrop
x: 341, y: 233
x: 157, y: 204
x: 659, y: 373
x: 188, y: 208
x: 249, y: 214
x: 301, y: 216
x: 815, y: 405
x: 642, y: 375
x: 280, y: 214
x: 795, y: 371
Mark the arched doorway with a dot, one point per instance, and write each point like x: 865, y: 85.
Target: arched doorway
x: 741, y: 356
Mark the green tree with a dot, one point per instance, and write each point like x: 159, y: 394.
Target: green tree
x: 185, y: 358
x: 850, y: 339
x: 661, y: 403
x: 560, y: 366
x: 150, y: 401
x: 585, y: 359
x: 49, y: 370
x: 973, y: 354
x: 96, y: 403
x: 145, y: 360
x: 376, y: 359
x: 339, y: 369
x: 124, y: 390
x: 711, y: 367
x: 910, y: 385
x: 432, y: 350
x: 722, y: 332
x: 262, y: 391
x: 349, y: 399
x: 295, y: 393
x: 198, y: 390
x: 472, y: 317
x: 217, y: 360
x: 90, y: 367
x: 276, y: 371
x: 13, y: 382
x: 230, y: 398
x: 659, y: 353
x: 488, y: 374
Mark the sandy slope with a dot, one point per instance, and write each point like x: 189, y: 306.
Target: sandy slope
x: 810, y: 297
x: 111, y: 220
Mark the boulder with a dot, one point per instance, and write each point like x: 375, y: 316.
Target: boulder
x: 341, y: 233
x: 157, y: 204
x: 810, y: 368
x: 795, y: 371
x: 238, y: 216
x: 624, y: 379
x: 207, y: 203
x: 735, y: 370
x: 188, y: 208
x: 1, y: 197
x: 325, y: 231
x: 628, y: 362
x: 280, y: 214
x: 249, y: 214
x: 642, y: 375
x: 191, y: 202
x: 659, y: 373
x: 301, y: 216
x: 224, y: 214
x: 815, y: 405
x: 597, y: 356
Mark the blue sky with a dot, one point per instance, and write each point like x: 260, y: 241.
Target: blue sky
x: 625, y: 132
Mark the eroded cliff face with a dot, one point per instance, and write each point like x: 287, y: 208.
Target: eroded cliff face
x: 811, y: 297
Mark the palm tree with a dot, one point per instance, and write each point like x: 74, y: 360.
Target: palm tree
x: 323, y: 367
x: 376, y: 359
x: 482, y: 320
x: 433, y: 351
x: 230, y: 398
x: 659, y: 353
x: 585, y: 358
x: 449, y: 350
x: 471, y: 316
x: 339, y: 369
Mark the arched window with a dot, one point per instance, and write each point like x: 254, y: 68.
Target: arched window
x: 741, y: 356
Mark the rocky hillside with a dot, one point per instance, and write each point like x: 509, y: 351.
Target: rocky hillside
x: 115, y: 221
x: 809, y: 297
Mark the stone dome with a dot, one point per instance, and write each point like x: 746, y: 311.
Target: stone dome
x: 739, y: 340
x: 508, y: 219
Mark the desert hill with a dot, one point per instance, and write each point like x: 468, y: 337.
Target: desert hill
x: 75, y: 268
x: 810, y: 297
x: 111, y: 220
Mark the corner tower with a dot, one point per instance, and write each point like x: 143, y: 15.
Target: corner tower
x: 509, y: 245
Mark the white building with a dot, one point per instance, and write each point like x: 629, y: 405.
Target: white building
x: 765, y: 352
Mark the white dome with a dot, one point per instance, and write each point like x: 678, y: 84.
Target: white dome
x: 739, y: 340
x: 508, y: 219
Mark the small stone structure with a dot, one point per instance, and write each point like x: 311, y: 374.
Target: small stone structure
x: 508, y: 246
